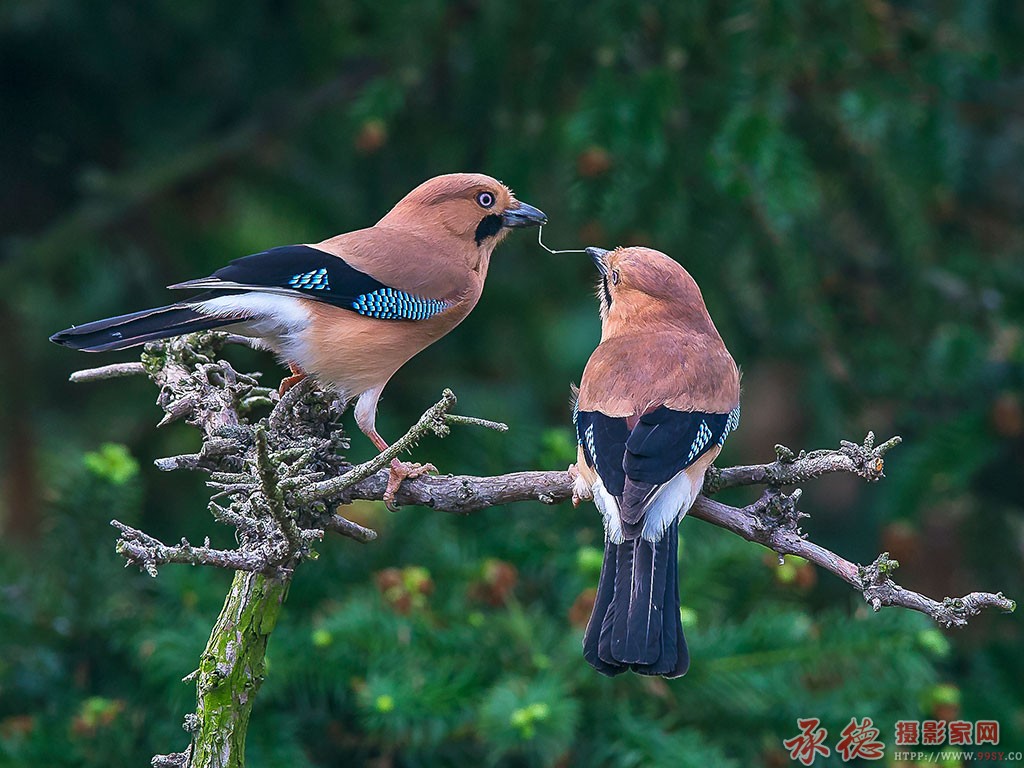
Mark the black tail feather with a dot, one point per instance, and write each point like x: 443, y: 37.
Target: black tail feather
x: 647, y: 598
x: 606, y: 621
x: 675, y: 656
x: 678, y: 646
x: 615, y: 620
x: 635, y: 624
x: 137, y: 328
x: 595, y: 630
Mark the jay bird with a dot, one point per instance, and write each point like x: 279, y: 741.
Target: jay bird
x: 352, y: 309
x: 657, y: 399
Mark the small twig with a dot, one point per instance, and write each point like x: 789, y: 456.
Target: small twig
x: 245, y: 341
x: 115, y: 371
x: 176, y: 410
x: 272, y: 493
x: 432, y: 420
x: 346, y: 527
x: 143, y: 550
x: 471, y: 421
x: 789, y: 468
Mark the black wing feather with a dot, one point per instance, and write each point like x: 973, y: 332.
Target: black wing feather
x: 323, y: 277
x: 661, y: 444
x: 664, y: 442
x: 278, y: 268
x: 604, y: 441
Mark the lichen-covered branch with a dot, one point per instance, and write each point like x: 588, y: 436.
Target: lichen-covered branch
x: 115, y: 371
x: 147, y: 552
x: 789, y: 468
x: 280, y: 479
x: 232, y: 668
x: 271, y: 480
x: 433, y: 420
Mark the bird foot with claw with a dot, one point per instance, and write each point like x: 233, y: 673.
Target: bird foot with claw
x: 580, y: 490
x: 290, y: 381
x: 403, y: 470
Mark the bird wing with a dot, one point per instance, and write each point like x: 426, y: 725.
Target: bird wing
x: 308, y: 272
x: 639, y: 459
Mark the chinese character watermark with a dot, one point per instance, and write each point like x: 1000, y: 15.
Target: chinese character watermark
x: 860, y: 739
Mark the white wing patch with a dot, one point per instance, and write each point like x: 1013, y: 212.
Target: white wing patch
x: 266, y: 314
x: 670, y: 502
x: 609, y: 510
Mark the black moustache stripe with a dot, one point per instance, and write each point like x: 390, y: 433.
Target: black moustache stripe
x: 489, y: 226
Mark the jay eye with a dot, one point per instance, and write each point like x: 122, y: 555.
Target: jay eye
x: 485, y: 199
x: 615, y: 277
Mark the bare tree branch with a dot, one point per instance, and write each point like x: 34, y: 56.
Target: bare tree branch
x: 207, y: 393
x: 147, y: 552
x: 115, y: 371
x: 863, y: 460
x: 465, y: 494
x: 771, y: 521
x: 279, y: 480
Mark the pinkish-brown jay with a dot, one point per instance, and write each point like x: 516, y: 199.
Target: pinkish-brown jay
x: 353, y: 309
x: 658, y: 397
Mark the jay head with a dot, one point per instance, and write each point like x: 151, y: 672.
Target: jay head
x: 656, y: 401
x: 352, y: 309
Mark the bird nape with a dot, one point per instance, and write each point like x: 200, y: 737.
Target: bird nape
x: 657, y: 400
x: 352, y: 309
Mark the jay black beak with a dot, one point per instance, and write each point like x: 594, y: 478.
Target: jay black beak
x: 524, y: 216
x: 597, y: 255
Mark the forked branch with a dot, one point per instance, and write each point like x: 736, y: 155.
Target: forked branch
x: 280, y: 479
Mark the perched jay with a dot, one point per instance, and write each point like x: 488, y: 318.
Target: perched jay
x: 350, y: 310
x: 657, y: 399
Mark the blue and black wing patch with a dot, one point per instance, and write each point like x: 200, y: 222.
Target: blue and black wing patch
x: 320, y: 276
x: 390, y: 304
x: 661, y: 443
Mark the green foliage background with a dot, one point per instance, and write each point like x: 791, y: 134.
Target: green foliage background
x: 843, y: 179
